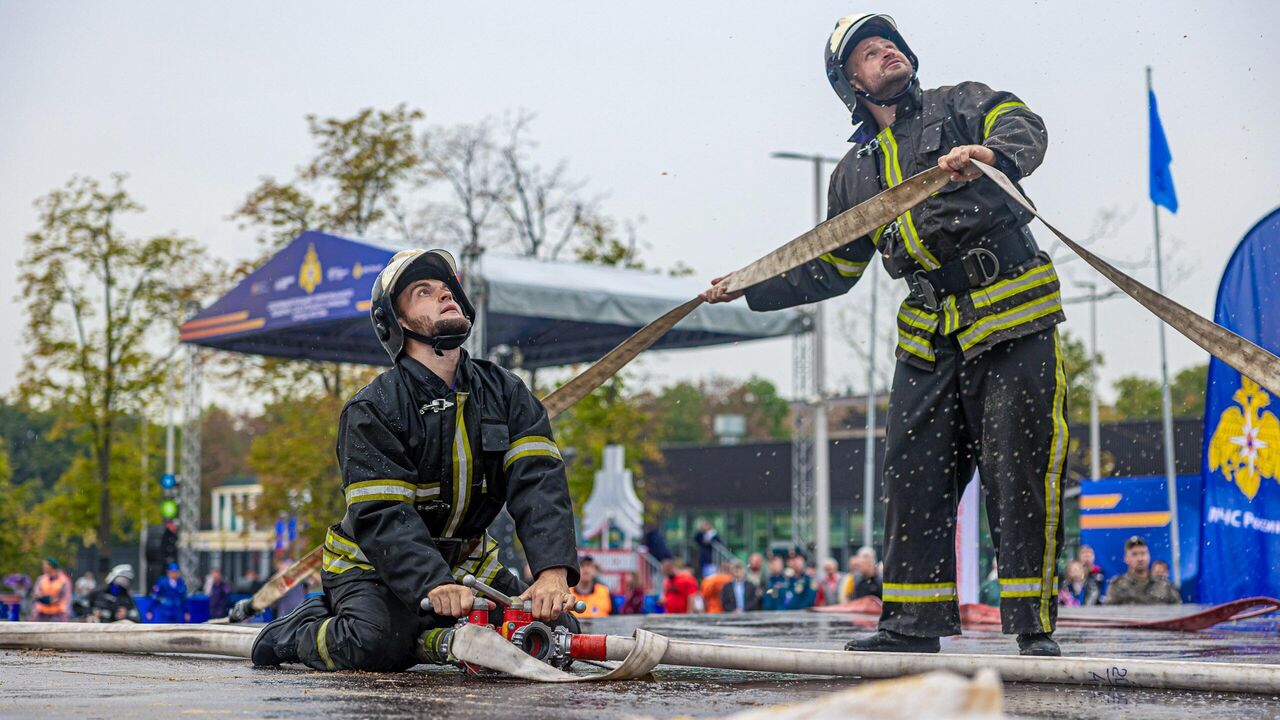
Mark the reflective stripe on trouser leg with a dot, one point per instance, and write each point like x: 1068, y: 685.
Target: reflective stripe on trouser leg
x: 1020, y: 387
x: 927, y: 463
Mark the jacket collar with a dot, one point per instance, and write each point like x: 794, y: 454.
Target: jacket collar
x: 864, y: 125
x: 422, y: 379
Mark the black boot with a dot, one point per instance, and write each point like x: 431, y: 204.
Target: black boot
x: 278, y: 641
x: 1041, y: 644
x: 890, y: 641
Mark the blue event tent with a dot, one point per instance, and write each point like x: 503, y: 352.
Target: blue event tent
x: 311, y: 301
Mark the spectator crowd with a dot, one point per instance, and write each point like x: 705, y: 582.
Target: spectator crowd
x: 789, y: 581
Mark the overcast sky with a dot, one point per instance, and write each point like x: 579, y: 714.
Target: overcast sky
x: 670, y: 108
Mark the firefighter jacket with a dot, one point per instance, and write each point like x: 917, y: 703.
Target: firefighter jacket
x: 426, y: 466
x: 1023, y: 298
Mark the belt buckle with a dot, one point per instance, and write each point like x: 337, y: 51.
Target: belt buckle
x: 977, y: 270
x: 924, y: 288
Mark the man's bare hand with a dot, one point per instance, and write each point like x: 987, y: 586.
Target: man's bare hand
x: 957, y: 161
x: 452, y: 600
x: 550, y: 594
x: 718, y: 294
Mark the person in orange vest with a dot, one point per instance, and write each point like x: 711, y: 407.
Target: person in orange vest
x: 711, y: 587
x: 52, y: 594
x: 594, y: 594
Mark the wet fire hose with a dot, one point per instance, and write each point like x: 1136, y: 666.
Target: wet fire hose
x: 478, y: 645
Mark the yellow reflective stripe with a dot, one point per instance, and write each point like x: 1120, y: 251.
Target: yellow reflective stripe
x: 906, y: 225
x: 917, y: 318
x: 1028, y: 594
x: 1053, y: 484
x: 919, y: 592
x: 1012, y: 317
x: 919, y: 347
x: 379, y: 490
x: 343, y: 547
x: 990, y: 120
x: 427, y: 491
x: 1020, y: 587
x: 322, y: 644
x: 950, y: 315
x: 337, y: 565
x: 531, y: 446
x: 847, y: 268
x: 461, y: 468
x: 995, y: 292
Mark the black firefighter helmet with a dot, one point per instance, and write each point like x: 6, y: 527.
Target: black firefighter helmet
x: 405, y: 268
x: 849, y: 31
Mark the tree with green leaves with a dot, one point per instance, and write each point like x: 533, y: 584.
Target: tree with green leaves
x: 293, y: 457
x: 608, y: 416
x: 17, y: 554
x: 1081, y: 372
x: 680, y: 413
x: 1139, y: 398
x: 98, y: 303
x: 353, y: 185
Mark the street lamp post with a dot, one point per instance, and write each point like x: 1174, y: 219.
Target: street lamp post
x: 821, y: 463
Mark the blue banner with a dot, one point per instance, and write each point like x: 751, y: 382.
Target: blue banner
x: 1240, y: 553
x: 1114, y: 509
x: 1162, y: 190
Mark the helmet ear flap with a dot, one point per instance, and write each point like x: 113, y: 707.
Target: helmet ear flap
x: 380, y: 324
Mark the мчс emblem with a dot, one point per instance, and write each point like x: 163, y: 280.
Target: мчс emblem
x: 309, y: 275
x: 1246, y: 444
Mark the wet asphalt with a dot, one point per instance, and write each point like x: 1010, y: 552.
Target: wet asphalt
x: 43, y: 684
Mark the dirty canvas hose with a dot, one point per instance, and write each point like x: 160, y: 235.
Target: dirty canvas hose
x: 834, y: 233
x: 1246, y: 357
x: 1252, y: 361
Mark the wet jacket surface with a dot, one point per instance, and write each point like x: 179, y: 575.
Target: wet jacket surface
x: 424, y: 464
x: 956, y: 219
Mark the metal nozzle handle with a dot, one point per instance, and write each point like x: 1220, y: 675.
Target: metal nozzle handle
x: 481, y: 587
x: 477, y: 604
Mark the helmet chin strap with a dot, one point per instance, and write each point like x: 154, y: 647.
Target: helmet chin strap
x: 439, y: 343
x: 893, y: 99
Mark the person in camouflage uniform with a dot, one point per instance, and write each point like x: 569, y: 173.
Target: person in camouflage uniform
x: 1138, y: 586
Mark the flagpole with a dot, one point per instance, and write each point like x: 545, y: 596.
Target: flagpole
x: 1166, y: 404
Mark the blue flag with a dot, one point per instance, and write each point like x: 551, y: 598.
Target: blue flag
x: 1162, y: 192
x: 1240, y: 538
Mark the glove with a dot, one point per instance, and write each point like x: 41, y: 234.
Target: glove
x: 242, y: 611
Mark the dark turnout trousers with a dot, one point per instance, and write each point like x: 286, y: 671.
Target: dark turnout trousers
x: 1005, y: 412
x: 359, y: 624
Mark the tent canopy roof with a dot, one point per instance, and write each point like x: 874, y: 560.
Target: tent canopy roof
x: 311, y: 301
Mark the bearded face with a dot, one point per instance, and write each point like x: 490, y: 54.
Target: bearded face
x: 427, y: 307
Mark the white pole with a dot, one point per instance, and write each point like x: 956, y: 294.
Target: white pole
x: 1095, y: 433
x: 821, y: 464
x: 869, y: 447
x: 1166, y: 407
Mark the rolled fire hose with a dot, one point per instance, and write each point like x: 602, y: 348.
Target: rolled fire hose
x: 1252, y: 361
x: 121, y: 637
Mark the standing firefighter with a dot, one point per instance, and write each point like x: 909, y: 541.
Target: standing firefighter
x: 979, y: 379
x: 430, y: 452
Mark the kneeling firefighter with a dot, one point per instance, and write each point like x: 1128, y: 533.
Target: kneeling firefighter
x: 430, y: 452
